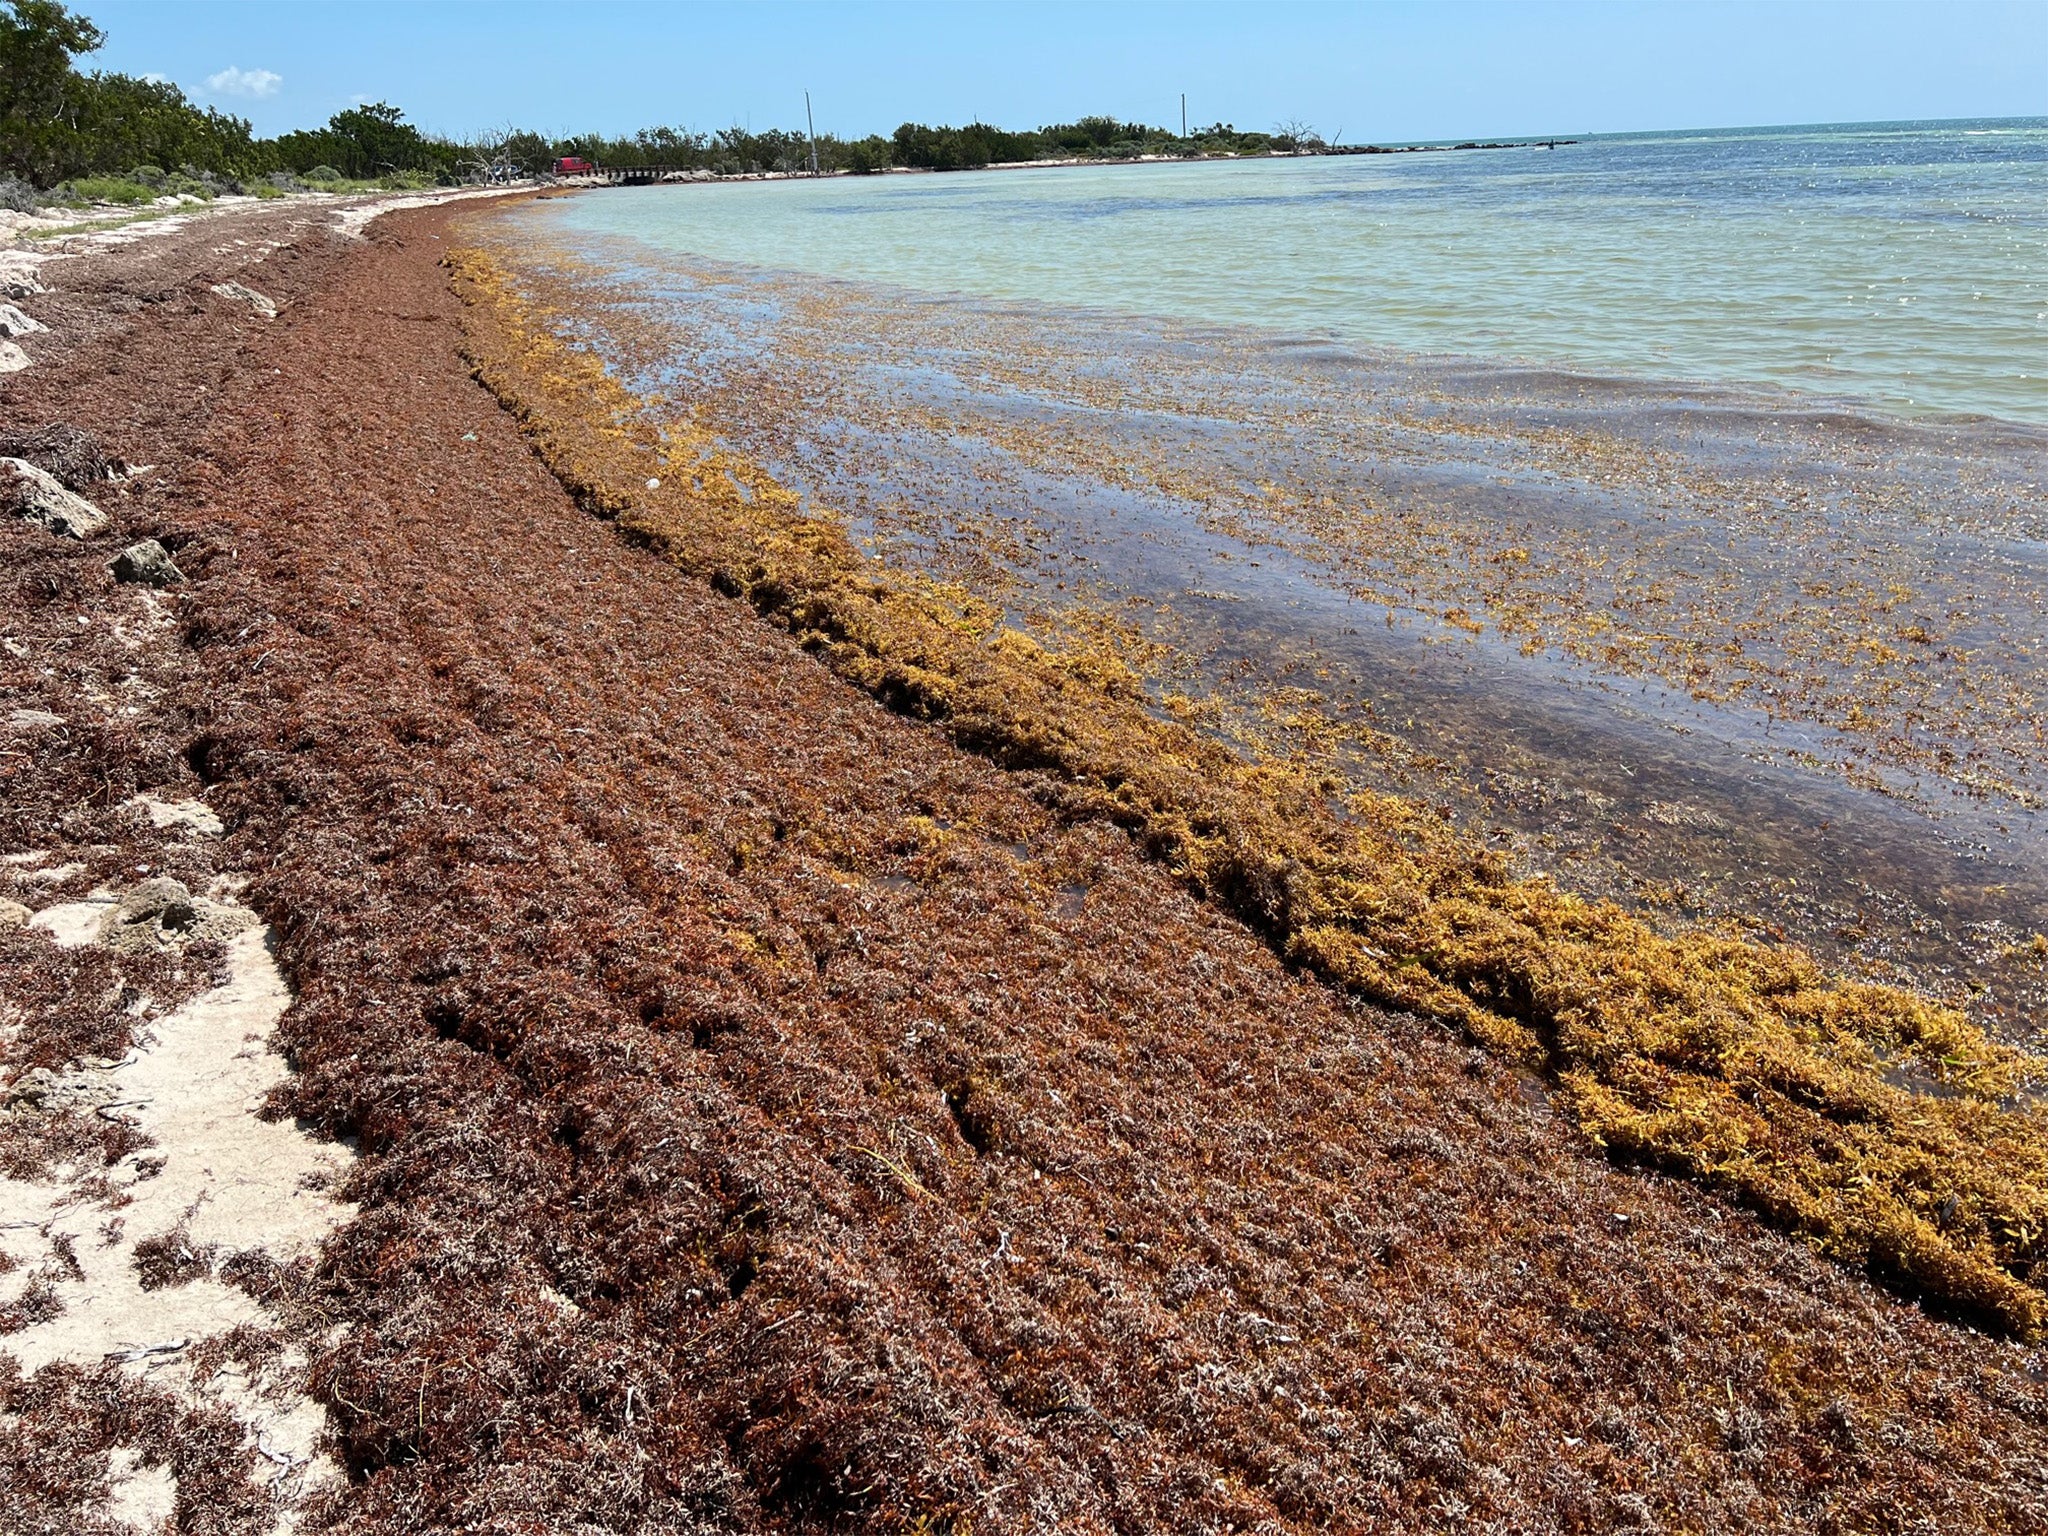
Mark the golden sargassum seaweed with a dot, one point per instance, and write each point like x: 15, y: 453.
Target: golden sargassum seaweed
x: 1740, y: 1064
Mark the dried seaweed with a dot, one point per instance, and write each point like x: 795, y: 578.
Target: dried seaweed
x: 71, y: 454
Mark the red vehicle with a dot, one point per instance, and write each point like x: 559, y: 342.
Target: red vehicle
x: 574, y: 165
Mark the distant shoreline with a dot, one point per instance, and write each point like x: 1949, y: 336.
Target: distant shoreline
x: 1333, y: 152
x: 659, y: 175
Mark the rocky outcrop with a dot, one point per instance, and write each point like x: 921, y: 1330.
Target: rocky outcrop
x: 18, y: 274
x: 36, y: 494
x: 261, y: 303
x: 148, y: 563
x: 154, y: 915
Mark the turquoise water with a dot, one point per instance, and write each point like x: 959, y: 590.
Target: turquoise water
x: 1904, y: 265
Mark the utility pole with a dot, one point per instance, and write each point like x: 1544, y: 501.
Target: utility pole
x: 1183, y: 114
x: 812, y: 125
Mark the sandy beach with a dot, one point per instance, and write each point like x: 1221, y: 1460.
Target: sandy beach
x: 608, y: 1061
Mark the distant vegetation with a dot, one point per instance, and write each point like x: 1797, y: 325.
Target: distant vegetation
x: 914, y: 146
x: 68, y: 137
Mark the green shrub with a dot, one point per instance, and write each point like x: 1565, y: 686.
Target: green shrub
x: 190, y: 186
x: 107, y: 189
x: 866, y: 156
x: 148, y: 175
x: 323, y: 173
x: 266, y: 189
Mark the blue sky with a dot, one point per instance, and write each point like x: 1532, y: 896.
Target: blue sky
x: 1370, y: 71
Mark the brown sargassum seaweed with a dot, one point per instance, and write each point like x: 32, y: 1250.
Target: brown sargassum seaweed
x: 1739, y: 1064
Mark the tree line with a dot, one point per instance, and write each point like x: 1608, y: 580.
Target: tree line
x: 61, y: 126
x: 58, y: 124
x: 915, y: 146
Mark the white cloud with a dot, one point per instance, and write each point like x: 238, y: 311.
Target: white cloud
x: 157, y: 77
x: 258, y: 84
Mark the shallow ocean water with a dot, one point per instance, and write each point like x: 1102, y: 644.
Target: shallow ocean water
x: 1904, y: 264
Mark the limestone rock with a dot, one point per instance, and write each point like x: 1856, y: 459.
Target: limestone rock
x: 18, y: 274
x: 14, y: 915
x: 162, y: 899
x: 149, y: 563
x: 150, y: 915
x: 14, y: 323
x: 12, y: 358
x: 263, y: 305
x: 37, y: 495
x: 161, y: 912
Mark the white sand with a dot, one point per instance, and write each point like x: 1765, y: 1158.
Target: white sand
x: 229, y: 1180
